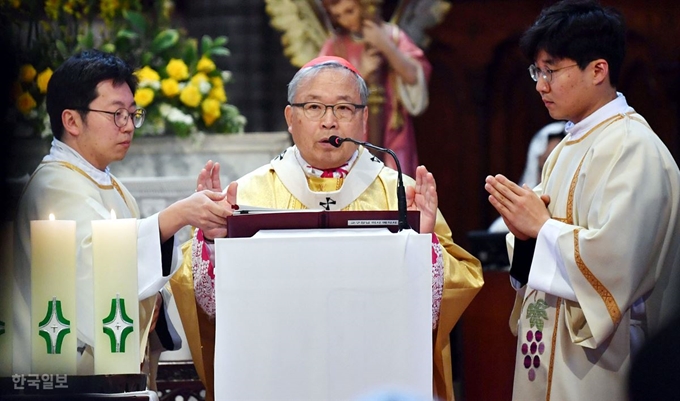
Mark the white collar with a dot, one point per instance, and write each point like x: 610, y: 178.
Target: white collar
x: 315, y: 172
x: 616, y: 106
x: 61, y: 152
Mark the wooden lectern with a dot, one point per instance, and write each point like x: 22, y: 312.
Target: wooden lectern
x: 323, y: 314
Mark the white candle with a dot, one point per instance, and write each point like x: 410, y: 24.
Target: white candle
x: 6, y: 281
x: 116, y: 304
x: 53, y: 300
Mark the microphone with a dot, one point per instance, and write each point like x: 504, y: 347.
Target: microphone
x: 401, y: 190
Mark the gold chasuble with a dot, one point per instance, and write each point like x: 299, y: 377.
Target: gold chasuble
x: 282, y: 184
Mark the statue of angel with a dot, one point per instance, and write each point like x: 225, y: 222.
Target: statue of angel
x: 389, y: 56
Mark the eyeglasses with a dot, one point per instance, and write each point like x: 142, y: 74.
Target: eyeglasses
x: 547, y: 75
x: 342, y: 111
x: 122, y: 115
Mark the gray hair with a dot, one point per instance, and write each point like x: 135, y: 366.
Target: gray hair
x: 312, y: 71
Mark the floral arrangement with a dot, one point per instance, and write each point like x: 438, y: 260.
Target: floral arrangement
x: 180, y: 85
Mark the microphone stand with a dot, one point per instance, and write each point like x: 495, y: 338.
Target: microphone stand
x: 401, y: 190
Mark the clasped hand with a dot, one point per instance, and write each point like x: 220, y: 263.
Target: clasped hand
x: 522, y: 210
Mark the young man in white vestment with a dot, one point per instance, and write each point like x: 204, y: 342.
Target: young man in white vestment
x: 592, y: 269
x: 328, y: 97
x: 93, y: 118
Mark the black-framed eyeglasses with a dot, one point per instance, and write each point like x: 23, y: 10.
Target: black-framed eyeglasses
x: 122, y: 115
x: 342, y: 111
x: 547, y: 75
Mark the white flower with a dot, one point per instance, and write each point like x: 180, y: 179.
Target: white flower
x: 155, y: 85
x: 204, y: 87
x: 175, y: 115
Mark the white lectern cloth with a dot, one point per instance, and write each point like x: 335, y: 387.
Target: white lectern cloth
x: 323, y: 315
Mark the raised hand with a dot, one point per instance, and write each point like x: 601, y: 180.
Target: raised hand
x: 209, y: 177
x: 423, y: 197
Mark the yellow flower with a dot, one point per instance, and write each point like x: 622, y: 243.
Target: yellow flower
x: 15, y: 3
x: 205, y: 65
x: 52, y: 8
x: 147, y: 74
x: 108, y: 9
x: 27, y: 73
x: 218, y: 93
x: 190, y: 96
x: 25, y: 103
x: 199, y: 78
x: 44, y: 79
x: 211, y: 111
x: 177, y: 69
x: 170, y: 87
x: 144, y: 96
x: 217, y: 82
x: 77, y: 8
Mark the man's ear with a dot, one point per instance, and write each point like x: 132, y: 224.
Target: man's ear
x: 288, y: 114
x: 600, y: 71
x: 72, y: 122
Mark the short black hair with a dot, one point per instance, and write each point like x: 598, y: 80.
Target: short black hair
x: 74, y: 83
x: 581, y: 30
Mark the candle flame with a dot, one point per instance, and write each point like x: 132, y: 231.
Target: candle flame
x: 113, y: 214
x: 51, y: 216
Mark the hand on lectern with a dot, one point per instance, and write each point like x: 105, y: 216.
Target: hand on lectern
x: 423, y: 197
x: 209, y: 177
x: 229, y: 202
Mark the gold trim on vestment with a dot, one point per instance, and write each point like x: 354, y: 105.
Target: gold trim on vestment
x: 572, y: 190
x: 607, y: 297
x: 609, y: 120
x: 553, y: 342
x: 114, y: 184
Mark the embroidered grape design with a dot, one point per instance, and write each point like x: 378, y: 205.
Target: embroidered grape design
x: 534, y: 346
x: 532, y: 349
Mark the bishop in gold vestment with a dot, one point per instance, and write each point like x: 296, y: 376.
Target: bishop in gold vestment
x: 368, y: 186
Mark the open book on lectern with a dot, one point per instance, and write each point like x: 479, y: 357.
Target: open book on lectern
x: 247, y: 220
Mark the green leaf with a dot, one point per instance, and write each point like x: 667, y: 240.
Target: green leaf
x: 206, y: 44
x: 108, y: 48
x: 61, y: 47
x: 164, y: 40
x: 137, y: 21
x: 127, y: 34
x: 536, y: 314
x: 219, y: 51
x: 86, y: 41
x: 190, y: 54
x: 220, y: 41
x: 146, y: 58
